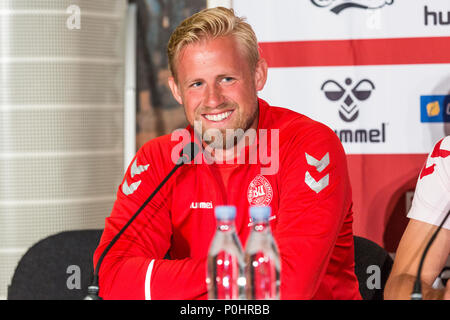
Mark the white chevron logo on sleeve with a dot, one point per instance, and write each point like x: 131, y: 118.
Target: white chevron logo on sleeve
x: 320, y: 165
x: 129, y: 189
x: 135, y: 169
x: 316, y: 186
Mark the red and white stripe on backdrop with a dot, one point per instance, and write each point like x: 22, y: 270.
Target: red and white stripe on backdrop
x: 364, y: 68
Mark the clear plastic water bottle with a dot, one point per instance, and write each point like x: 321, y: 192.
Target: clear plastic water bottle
x: 262, y: 258
x: 225, y: 267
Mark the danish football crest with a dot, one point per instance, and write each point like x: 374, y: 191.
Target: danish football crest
x: 259, y: 191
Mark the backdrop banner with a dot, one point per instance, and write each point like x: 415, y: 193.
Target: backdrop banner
x: 377, y: 72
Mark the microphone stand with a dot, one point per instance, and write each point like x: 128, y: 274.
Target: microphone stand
x: 186, y: 155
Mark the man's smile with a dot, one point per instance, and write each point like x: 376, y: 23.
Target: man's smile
x: 218, y: 117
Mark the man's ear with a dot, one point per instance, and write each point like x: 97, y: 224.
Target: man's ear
x: 260, y: 74
x: 175, y: 90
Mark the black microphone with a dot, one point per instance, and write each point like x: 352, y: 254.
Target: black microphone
x: 417, y: 289
x: 187, y: 154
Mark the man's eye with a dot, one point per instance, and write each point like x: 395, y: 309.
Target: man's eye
x: 196, y: 84
x: 227, y: 79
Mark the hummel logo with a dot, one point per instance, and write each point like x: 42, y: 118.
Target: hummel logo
x: 129, y: 189
x: 437, y: 153
x: 135, y: 169
x: 320, y: 165
x: 348, y: 95
x: 201, y: 205
x: 426, y: 171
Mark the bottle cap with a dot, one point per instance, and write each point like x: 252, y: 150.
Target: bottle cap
x: 260, y: 213
x: 225, y: 212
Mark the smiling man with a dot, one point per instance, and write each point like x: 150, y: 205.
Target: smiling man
x: 216, y: 75
x: 217, y: 83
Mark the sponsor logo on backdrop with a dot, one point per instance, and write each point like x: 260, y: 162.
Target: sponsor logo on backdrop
x: 435, y: 18
x: 349, y: 96
x: 435, y: 108
x: 337, y: 6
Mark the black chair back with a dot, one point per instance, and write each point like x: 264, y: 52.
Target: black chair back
x: 372, y: 267
x: 59, y: 267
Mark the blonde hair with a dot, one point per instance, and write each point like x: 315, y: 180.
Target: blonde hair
x: 209, y: 24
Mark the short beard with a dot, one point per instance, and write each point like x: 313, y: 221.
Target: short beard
x: 222, y: 139
x: 227, y: 138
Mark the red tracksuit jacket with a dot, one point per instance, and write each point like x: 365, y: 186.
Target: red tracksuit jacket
x: 310, y: 197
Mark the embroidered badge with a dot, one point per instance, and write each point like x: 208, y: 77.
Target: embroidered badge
x: 259, y: 192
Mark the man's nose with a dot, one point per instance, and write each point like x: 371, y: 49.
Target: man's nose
x: 214, y: 96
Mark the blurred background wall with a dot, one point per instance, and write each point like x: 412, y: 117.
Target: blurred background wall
x: 158, y: 113
x: 61, y: 119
